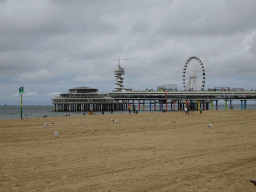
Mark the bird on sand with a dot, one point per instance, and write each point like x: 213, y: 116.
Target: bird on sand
x: 209, y: 125
x: 56, y: 134
x: 45, y: 125
x: 116, y: 121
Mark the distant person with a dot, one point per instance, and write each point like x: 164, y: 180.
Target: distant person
x: 133, y: 108
x: 186, y: 110
x: 200, y: 110
x: 129, y: 107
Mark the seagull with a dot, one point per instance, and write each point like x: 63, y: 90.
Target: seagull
x: 52, y: 122
x: 116, y: 121
x: 45, y: 125
x: 56, y: 134
x: 209, y: 125
x: 112, y: 119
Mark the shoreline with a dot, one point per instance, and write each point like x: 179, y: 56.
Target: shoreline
x: 38, y: 113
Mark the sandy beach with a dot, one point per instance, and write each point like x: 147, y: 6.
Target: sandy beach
x: 143, y: 152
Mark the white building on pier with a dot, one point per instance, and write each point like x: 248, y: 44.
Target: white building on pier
x: 86, y: 99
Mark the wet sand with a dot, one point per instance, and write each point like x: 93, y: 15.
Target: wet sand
x: 167, y: 152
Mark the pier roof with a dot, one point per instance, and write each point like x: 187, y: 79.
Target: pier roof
x: 83, y: 88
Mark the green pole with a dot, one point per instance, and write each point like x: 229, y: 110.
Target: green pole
x: 21, y: 105
x: 226, y: 105
x: 211, y: 105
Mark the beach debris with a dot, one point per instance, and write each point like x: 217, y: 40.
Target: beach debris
x: 116, y: 121
x: 112, y: 120
x: 56, y: 134
x: 45, y: 125
x: 173, y: 121
x: 52, y: 122
x: 253, y: 181
x: 147, y: 119
x: 209, y: 125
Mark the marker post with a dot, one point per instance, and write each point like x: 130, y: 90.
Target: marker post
x: 21, y: 90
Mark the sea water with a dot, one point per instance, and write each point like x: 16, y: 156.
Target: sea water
x: 14, y: 112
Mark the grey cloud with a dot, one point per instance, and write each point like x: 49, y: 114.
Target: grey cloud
x: 140, y: 27
x: 78, y: 40
x: 211, y: 18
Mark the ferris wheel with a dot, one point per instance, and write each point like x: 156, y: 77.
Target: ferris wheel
x: 193, y: 76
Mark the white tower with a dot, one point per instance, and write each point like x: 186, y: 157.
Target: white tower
x: 119, y: 80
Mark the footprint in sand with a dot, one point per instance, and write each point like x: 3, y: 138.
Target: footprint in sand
x: 64, y: 177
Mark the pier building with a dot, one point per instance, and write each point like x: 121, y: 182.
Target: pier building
x: 86, y: 99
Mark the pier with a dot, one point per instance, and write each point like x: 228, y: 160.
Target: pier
x: 89, y: 99
x: 197, y: 99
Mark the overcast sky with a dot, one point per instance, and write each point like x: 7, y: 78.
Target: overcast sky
x: 50, y: 46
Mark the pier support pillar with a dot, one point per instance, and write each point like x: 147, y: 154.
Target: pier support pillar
x: 226, y: 105
x: 198, y: 105
x: 150, y: 105
x: 244, y: 104
x: 143, y: 105
x: 203, y: 106
x: 139, y: 105
x: 154, y: 105
x: 211, y: 105
x: 216, y: 104
x: 174, y: 105
x: 166, y: 104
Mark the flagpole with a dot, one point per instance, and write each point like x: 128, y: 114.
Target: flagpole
x: 21, y: 106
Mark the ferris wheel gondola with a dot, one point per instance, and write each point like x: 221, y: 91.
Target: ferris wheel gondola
x: 193, y: 76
